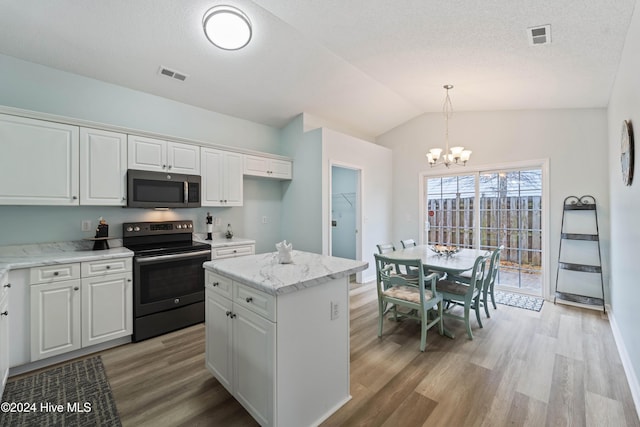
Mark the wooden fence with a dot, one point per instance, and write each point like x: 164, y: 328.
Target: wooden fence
x: 514, y: 222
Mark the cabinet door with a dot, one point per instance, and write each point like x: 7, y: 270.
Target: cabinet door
x: 219, y: 344
x: 39, y: 164
x: 55, y: 318
x: 103, y: 167
x: 107, y: 308
x: 232, y: 163
x: 212, y: 178
x: 4, y: 334
x: 281, y: 169
x: 256, y: 165
x: 183, y: 158
x: 254, y: 364
x: 147, y: 153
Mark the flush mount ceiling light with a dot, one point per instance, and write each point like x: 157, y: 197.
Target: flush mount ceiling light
x: 227, y: 27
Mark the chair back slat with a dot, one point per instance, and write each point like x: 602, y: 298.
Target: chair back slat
x: 408, y: 243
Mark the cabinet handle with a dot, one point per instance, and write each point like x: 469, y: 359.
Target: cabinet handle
x: 214, y: 284
x: 4, y: 313
x: 249, y: 299
x: 8, y: 285
x: 75, y: 288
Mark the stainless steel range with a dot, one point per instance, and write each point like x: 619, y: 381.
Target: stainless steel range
x: 168, y: 278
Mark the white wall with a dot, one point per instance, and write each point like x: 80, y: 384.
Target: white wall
x: 625, y: 207
x: 37, y: 88
x: 375, y: 162
x: 301, y: 219
x: 574, y: 141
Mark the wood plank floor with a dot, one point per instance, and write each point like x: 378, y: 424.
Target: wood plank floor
x: 558, y: 367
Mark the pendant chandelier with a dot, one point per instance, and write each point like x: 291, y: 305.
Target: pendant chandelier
x: 454, y: 155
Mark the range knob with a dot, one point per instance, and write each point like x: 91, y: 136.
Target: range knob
x: 185, y: 226
x: 136, y: 228
x: 190, y: 225
x: 129, y: 229
x: 178, y: 226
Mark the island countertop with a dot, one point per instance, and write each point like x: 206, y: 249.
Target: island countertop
x: 265, y: 273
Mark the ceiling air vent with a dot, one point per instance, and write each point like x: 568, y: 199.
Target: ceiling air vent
x: 539, y: 35
x: 164, y: 71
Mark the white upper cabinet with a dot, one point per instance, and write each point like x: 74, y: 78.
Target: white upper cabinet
x: 267, y: 167
x: 39, y: 164
x: 221, y: 178
x: 103, y: 167
x: 164, y: 156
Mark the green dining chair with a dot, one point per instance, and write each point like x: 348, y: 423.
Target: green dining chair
x: 490, y: 280
x: 465, y: 295
x: 384, y: 248
x: 408, y: 243
x: 416, y: 293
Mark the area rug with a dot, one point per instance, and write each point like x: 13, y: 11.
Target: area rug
x: 519, y: 300
x: 74, y: 394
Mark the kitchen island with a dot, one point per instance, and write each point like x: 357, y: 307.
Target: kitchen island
x: 278, y: 334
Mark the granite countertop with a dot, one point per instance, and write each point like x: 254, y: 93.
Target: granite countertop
x: 263, y: 272
x: 220, y: 241
x: 36, y: 255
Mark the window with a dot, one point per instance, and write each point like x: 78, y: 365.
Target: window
x: 488, y: 209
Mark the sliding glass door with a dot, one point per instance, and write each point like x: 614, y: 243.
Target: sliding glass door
x: 489, y: 209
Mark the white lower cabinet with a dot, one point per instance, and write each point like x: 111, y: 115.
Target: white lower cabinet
x: 232, y: 251
x: 69, y: 312
x: 4, y: 332
x: 240, y: 349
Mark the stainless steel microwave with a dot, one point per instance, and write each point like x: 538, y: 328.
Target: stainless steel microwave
x: 146, y: 189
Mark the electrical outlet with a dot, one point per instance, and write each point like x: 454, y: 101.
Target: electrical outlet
x: 86, y: 225
x: 217, y: 221
x: 264, y: 220
x: 335, y: 310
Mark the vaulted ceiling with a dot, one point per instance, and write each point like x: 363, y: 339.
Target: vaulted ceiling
x: 365, y: 65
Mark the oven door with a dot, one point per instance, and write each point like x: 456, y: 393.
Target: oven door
x: 164, y: 282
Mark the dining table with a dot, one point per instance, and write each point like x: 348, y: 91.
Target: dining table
x: 453, y: 264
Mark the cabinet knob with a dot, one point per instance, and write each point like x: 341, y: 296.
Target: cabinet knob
x: 228, y: 313
x: 169, y: 167
x: 4, y: 313
x: 164, y: 166
x: 76, y: 288
x: 249, y: 299
x: 233, y: 315
x: 128, y: 280
x: 214, y: 284
x: 75, y: 197
x: 55, y: 273
x: 8, y: 285
x: 108, y: 267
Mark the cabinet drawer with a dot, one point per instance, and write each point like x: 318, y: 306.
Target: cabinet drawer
x: 105, y: 266
x: 232, y: 251
x: 55, y: 273
x: 219, y: 284
x: 255, y: 300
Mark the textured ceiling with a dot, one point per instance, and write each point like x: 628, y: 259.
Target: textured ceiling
x: 365, y: 65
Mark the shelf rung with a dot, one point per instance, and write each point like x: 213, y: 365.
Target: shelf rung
x: 589, y: 207
x: 580, y: 267
x: 582, y: 299
x: 576, y: 236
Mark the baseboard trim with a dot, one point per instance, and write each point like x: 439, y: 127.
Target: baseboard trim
x: 632, y: 378
x: 331, y: 411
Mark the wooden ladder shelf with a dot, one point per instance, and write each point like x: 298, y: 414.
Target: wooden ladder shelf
x: 584, y: 203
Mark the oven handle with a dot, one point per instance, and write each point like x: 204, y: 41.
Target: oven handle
x: 142, y: 260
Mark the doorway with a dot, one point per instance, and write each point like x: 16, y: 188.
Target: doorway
x: 345, y: 183
x: 486, y: 209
